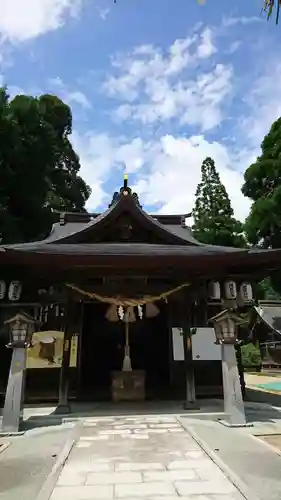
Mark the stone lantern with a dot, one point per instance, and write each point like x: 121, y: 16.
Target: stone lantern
x: 225, y: 326
x: 21, y: 327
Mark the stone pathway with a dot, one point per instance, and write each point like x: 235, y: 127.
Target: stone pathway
x: 149, y: 457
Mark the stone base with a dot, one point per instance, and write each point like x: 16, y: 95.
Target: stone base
x: 11, y: 433
x: 62, y: 410
x: 128, y: 385
x: 228, y: 424
x: 187, y: 405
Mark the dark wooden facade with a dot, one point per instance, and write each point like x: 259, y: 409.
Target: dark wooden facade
x: 123, y: 252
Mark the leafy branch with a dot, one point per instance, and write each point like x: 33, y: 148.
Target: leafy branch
x: 269, y: 6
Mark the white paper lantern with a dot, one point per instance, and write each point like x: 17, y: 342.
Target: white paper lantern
x: 3, y: 288
x: 230, y: 290
x: 214, y: 290
x: 14, y: 291
x: 246, y: 292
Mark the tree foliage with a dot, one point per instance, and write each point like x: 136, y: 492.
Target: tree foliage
x: 263, y: 186
x: 265, y: 291
x: 214, y: 221
x: 251, y: 355
x: 39, y: 170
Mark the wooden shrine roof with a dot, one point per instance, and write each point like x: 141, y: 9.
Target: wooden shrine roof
x: 80, y: 239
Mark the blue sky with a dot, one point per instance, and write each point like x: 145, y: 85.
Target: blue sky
x: 155, y: 86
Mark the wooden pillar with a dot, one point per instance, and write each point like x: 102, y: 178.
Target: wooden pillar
x: 80, y: 347
x: 63, y: 406
x: 171, y: 350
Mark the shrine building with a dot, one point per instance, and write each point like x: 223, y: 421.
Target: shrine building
x: 114, y: 294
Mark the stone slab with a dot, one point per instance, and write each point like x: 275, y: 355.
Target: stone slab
x: 114, y: 478
x: 204, y: 487
x: 139, y: 466
x: 101, y: 492
x: 163, y: 465
x: 72, y: 479
x: 170, y: 475
x: 144, y: 490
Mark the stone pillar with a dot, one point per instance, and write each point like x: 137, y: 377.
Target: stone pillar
x: 190, y: 395
x: 13, y: 407
x: 233, y: 401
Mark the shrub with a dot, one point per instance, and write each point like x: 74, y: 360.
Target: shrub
x: 251, y: 355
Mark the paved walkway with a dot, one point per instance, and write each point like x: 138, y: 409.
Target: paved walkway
x: 28, y: 460
x: 149, y: 457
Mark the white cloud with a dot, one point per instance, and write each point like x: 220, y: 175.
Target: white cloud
x: 175, y: 171
x: 67, y: 95
x: 101, y: 154
x: 103, y: 13
x: 166, y: 170
x: 234, y: 46
x: 230, y: 21
x: 263, y: 107
x: 206, y: 47
x: 147, y: 63
x: 24, y: 19
x: 196, y: 101
x: 154, y: 85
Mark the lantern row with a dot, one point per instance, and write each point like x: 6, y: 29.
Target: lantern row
x: 230, y: 290
x: 14, y: 290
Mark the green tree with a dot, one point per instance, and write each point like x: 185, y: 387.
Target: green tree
x: 263, y: 186
x: 39, y: 170
x: 265, y: 291
x: 214, y: 221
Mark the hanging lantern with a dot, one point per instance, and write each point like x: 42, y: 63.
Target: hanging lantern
x: 14, y: 291
x: 230, y: 290
x: 3, y: 288
x: 246, y: 292
x: 151, y: 310
x: 214, y: 290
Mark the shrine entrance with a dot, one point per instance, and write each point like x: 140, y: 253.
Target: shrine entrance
x: 102, y: 352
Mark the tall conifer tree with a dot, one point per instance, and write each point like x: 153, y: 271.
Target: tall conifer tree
x: 214, y: 221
